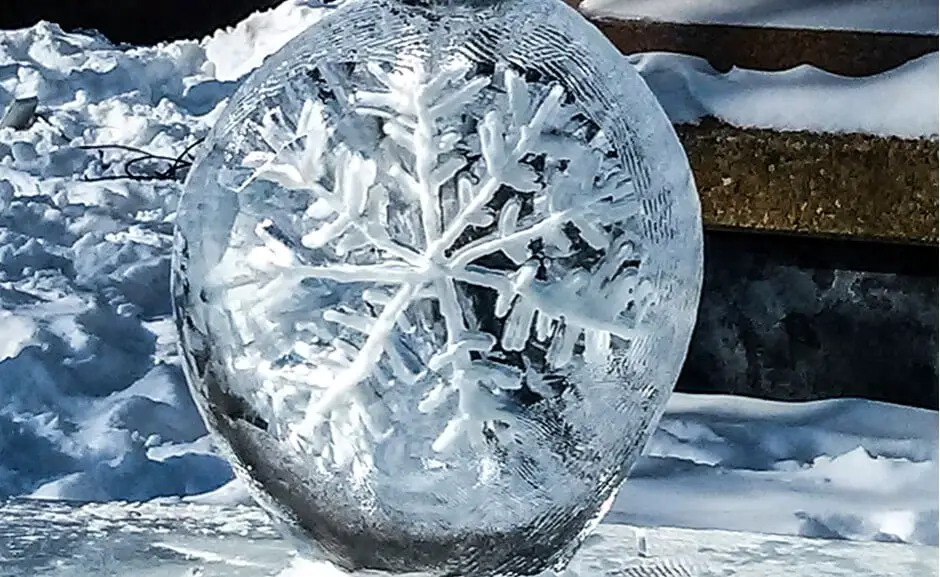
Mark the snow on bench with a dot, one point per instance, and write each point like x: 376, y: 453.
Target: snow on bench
x: 905, y: 16
x: 797, y: 118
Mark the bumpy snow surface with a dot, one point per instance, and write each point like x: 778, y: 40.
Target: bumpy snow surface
x: 92, y: 403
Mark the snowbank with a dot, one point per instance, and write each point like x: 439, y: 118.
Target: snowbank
x: 913, y: 16
x: 239, y: 50
x: 87, y: 385
x: 92, y: 402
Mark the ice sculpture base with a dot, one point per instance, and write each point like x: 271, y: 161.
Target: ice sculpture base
x: 52, y: 539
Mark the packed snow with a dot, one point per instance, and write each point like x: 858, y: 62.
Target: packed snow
x: 843, y: 469
x: 159, y: 539
x: 911, y: 17
x: 92, y: 401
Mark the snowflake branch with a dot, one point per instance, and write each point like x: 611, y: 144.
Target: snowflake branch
x: 482, y: 195
x: 544, y: 298
x: 365, y: 324
x: 485, y: 246
x: 425, y: 159
x: 494, y: 144
x: 366, y: 358
x: 348, y: 273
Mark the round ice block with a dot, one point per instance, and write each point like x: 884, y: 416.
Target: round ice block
x: 436, y: 270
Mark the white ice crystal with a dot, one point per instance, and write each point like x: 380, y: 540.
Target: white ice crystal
x: 452, y: 180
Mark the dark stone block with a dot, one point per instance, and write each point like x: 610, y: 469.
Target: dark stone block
x: 800, y: 319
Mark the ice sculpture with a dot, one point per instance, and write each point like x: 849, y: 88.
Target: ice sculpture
x: 436, y: 271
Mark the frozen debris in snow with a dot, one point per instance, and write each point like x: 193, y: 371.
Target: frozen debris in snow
x: 641, y: 544
x: 20, y: 113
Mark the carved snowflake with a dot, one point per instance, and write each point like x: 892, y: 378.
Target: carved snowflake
x: 475, y: 193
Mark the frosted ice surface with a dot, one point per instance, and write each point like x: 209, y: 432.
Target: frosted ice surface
x: 436, y: 272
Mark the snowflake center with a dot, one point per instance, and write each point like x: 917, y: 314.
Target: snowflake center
x: 434, y: 266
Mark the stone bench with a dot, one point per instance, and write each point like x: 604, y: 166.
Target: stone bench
x: 834, y: 291
x: 847, y: 183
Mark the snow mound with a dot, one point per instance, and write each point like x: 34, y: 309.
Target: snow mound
x: 238, y: 50
x: 890, y: 526
x: 94, y: 406
x: 85, y: 389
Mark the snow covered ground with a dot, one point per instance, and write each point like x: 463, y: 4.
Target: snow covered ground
x: 92, y: 402
x: 46, y: 539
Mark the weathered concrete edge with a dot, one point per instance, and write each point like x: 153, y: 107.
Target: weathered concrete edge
x: 855, y: 185
x: 802, y: 182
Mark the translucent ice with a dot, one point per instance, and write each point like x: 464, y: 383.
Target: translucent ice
x: 436, y: 272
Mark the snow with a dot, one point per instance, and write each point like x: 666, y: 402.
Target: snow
x: 92, y: 402
x: 911, y: 16
x: 238, y: 50
x: 846, y: 469
x: 45, y: 539
x: 900, y: 102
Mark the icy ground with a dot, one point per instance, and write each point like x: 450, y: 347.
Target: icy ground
x: 92, y: 403
x: 45, y: 539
